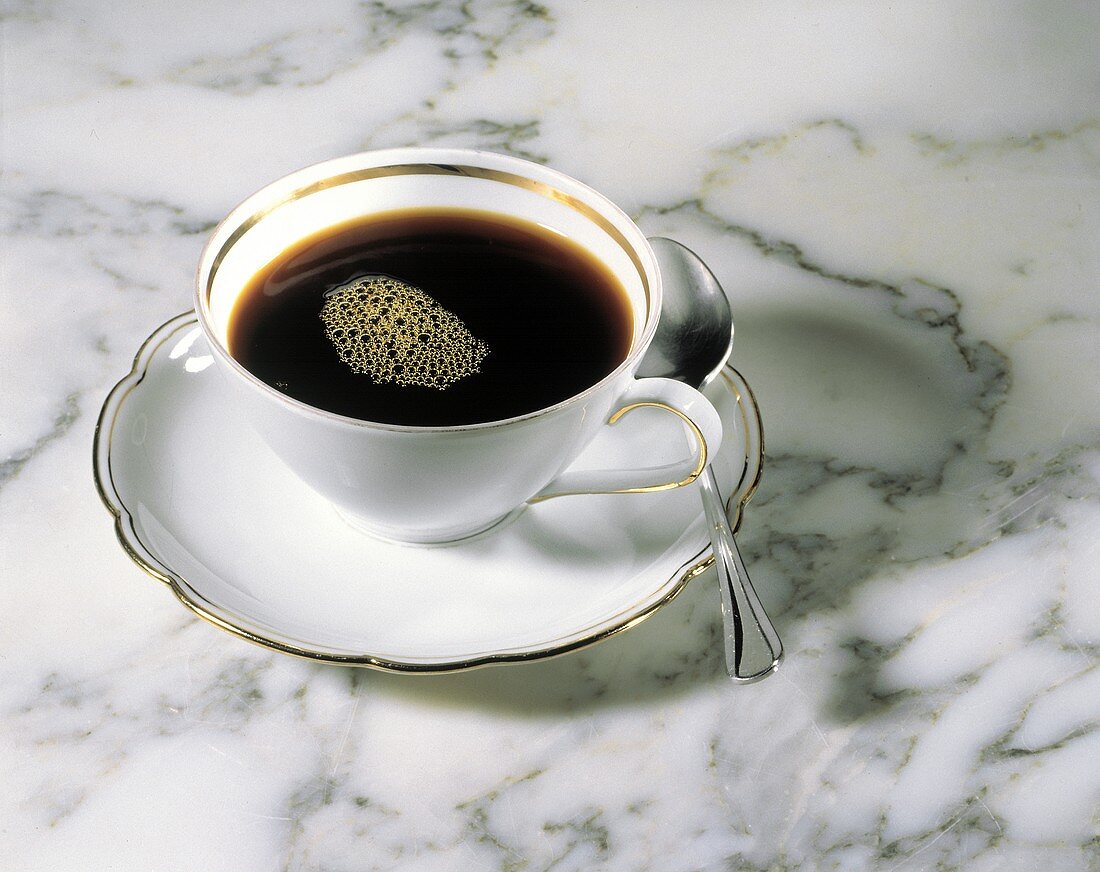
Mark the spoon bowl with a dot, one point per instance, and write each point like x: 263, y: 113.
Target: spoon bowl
x: 695, y: 333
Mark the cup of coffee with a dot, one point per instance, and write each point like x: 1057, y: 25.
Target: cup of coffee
x: 430, y: 337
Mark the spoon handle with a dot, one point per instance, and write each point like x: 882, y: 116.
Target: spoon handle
x: 753, y: 647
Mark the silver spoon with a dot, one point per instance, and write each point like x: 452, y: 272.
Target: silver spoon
x: 693, y: 340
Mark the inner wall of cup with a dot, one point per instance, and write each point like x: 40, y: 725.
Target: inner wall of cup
x: 311, y: 213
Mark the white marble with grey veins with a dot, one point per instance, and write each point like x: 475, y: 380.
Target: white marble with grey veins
x: 901, y: 199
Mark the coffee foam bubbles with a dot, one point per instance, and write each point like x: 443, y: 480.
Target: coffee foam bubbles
x: 393, y: 332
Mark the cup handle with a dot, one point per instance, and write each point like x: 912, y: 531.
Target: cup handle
x: 690, y: 406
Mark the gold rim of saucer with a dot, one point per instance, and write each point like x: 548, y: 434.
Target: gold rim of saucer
x: 139, y: 553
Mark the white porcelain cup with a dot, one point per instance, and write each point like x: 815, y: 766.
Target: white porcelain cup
x: 437, y: 484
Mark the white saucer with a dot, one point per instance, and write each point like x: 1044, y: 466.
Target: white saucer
x: 201, y: 504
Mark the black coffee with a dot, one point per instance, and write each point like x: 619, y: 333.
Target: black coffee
x: 432, y: 317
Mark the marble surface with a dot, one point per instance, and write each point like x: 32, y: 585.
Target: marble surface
x: 902, y: 201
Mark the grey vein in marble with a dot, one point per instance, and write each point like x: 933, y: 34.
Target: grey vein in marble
x: 13, y: 464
